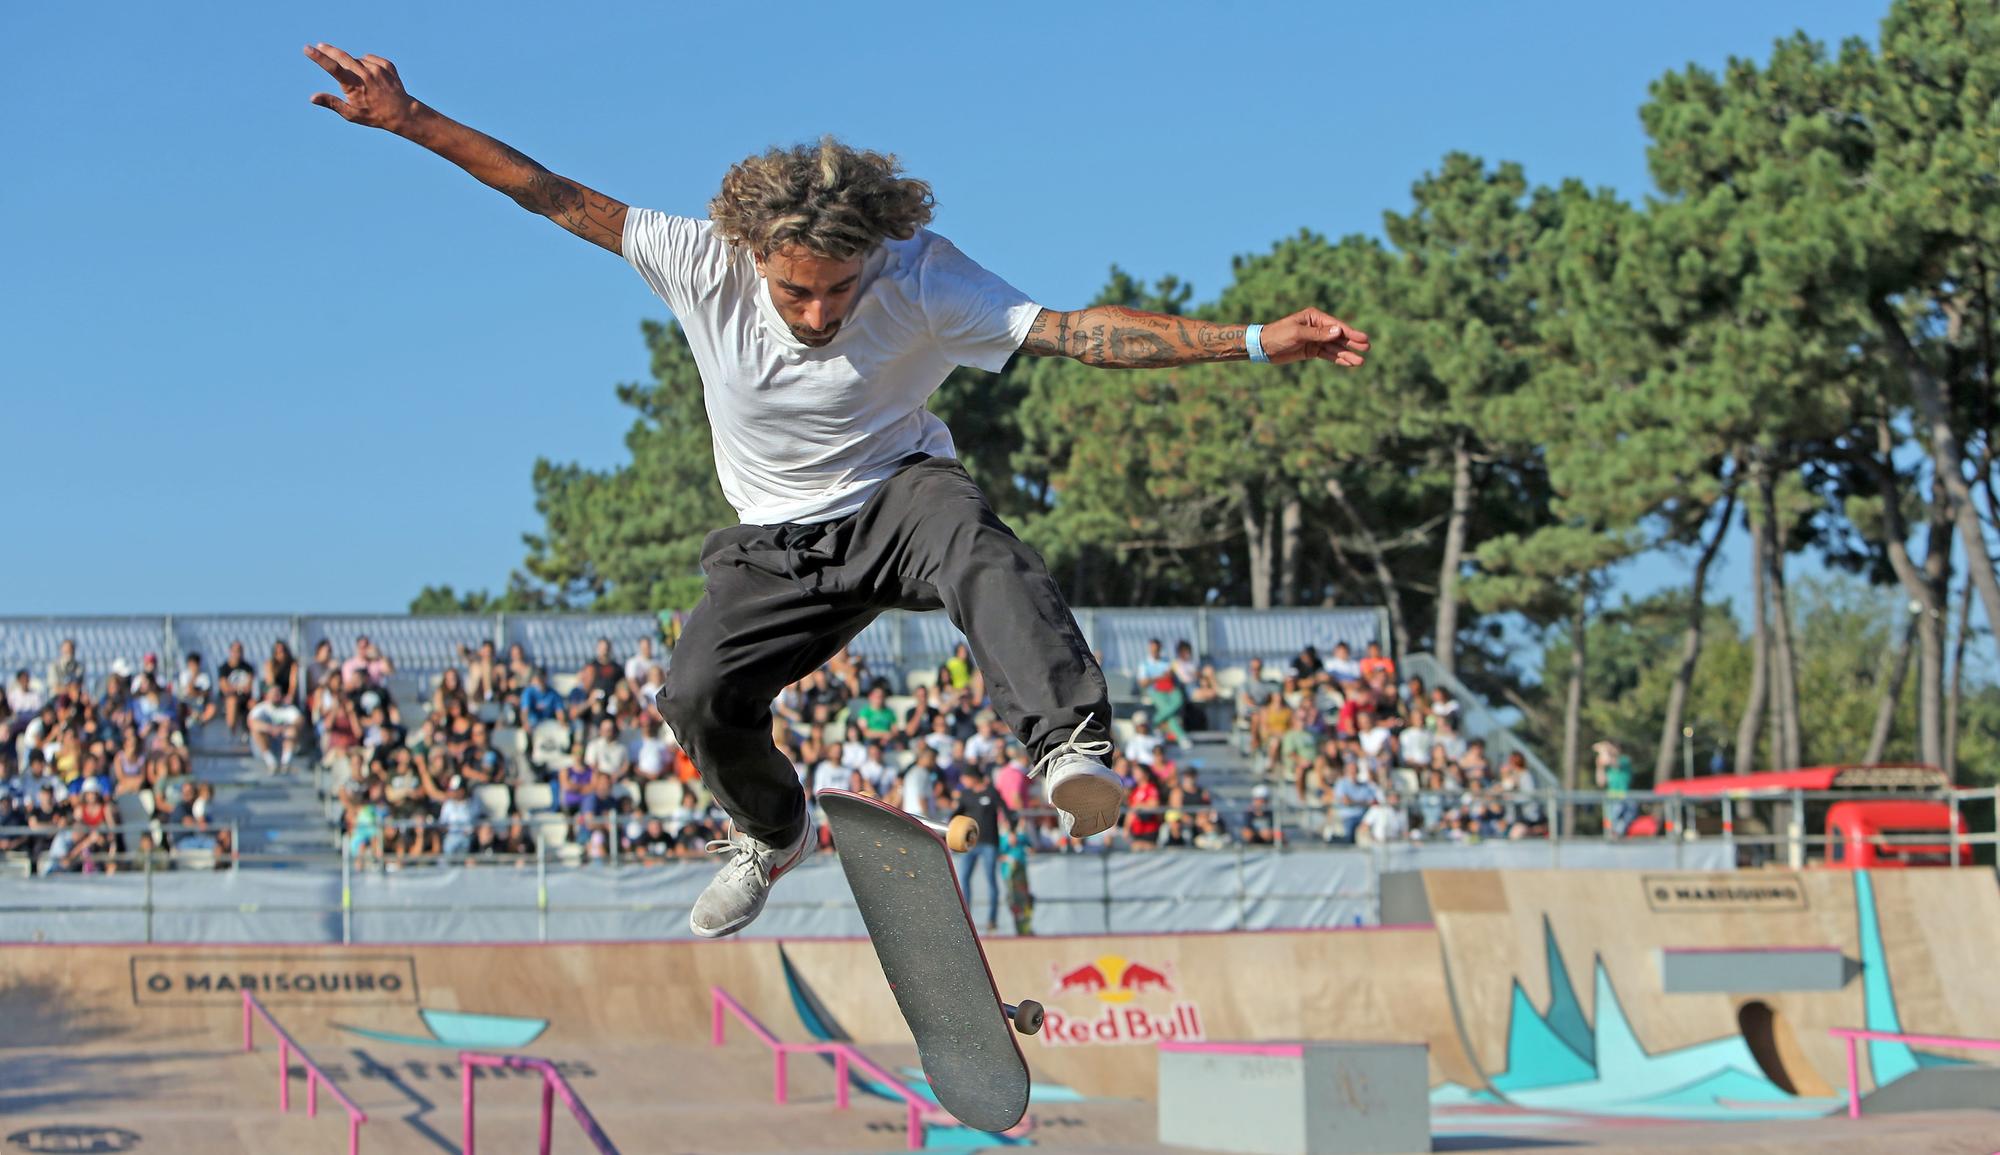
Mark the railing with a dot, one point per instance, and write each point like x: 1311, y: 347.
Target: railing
x: 1853, y: 1036
x: 553, y: 1084
x: 314, y: 1076
x: 919, y: 1113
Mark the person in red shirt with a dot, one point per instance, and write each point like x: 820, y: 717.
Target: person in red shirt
x: 1142, y: 809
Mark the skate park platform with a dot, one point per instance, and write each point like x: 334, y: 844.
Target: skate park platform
x: 1539, y: 997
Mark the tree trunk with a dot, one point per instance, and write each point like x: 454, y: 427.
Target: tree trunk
x: 1573, y: 706
x: 1925, y: 586
x: 1957, y: 691
x: 1895, y: 672
x: 1784, y: 665
x: 1257, y: 532
x: 1931, y: 632
x: 1445, y: 645
x: 1291, y: 518
x: 1760, y: 657
x: 1670, y: 730
x: 1947, y: 459
x: 1391, y: 598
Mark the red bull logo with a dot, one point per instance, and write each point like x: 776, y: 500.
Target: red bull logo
x: 1118, y: 981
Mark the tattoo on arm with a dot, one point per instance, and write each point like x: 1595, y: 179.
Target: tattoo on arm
x: 1115, y: 337
x: 584, y: 211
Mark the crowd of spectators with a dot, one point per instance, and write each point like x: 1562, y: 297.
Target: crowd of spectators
x: 501, y: 754
x: 74, y: 763
x: 1378, y: 759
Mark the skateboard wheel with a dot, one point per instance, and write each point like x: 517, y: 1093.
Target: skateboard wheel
x: 962, y: 834
x: 1028, y: 1017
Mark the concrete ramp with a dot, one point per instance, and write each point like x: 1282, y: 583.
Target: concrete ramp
x: 1937, y: 1089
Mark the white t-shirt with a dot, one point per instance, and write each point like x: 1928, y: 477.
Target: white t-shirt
x: 282, y: 716
x: 804, y: 434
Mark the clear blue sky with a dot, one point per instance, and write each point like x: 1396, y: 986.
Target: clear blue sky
x: 255, y: 358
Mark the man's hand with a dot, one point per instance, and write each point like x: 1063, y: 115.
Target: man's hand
x: 1309, y: 334
x: 374, y: 96
x: 374, y: 93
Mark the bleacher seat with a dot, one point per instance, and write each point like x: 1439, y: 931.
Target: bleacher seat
x: 919, y: 677
x: 533, y: 798
x: 553, y: 832
x: 664, y: 797
x: 1232, y: 678
x: 899, y: 705
x: 495, y: 799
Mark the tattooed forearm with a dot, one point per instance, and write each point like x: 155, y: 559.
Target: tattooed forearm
x: 582, y: 210
x: 1114, y: 337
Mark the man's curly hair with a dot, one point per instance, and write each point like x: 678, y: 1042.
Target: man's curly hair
x: 832, y: 200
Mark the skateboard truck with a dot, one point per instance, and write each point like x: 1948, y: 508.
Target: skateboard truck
x: 1027, y: 1016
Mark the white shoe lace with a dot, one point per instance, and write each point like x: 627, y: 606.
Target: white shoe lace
x: 1072, y: 745
x: 750, y: 857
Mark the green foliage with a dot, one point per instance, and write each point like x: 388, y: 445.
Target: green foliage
x: 1611, y: 371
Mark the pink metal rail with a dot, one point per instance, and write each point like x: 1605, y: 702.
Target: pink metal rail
x: 252, y: 1009
x: 1853, y: 1036
x: 553, y: 1084
x: 919, y: 1112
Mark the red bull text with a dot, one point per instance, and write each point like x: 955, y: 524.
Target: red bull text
x: 1118, y: 982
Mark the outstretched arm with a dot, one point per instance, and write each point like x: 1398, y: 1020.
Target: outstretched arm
x: 375, y: 96
x: 1115, y: 337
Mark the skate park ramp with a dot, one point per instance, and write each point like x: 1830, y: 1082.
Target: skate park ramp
x: 1540, y: 996
x: 1561, y: 985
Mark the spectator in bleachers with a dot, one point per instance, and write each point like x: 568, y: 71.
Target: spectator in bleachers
x: 625, y: 706
x: 1206, y: 701
x: 1385, y: 822
x: 324, y: 669
x: 640, y: 665
x: 654, y: 758
x: 1376, y: 669
x: 67, y: 669
x: 1342, y: 667
x: 368, y: 661
x: 457, y: 813
x: 196, y: 691
x: 1353, y: 794
x: 281, y: 669
x: 24, y: 698
x: 1144, y: 809
x: 1143, y: 746
x: 607, y: 753
x: 1153, y: 664
x: 604, y: 668
x: 539, y: 702
x: 237, y: 686
x: 1260, y: 825
x: 450, y: 687
x: 485, y: 677
x: 128, y: 766
x: 1166, y: 702
x: 276, y: 729
x: 587, y: 703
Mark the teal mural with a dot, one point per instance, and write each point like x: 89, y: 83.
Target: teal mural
x: 1563, y: 1065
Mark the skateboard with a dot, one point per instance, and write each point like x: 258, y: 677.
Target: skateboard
x: 899, y: 867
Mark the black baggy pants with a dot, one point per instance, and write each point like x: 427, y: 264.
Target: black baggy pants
x: 782, y: 599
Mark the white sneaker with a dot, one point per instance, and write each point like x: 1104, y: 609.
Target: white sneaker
x: 1079, y: 785
x: 736, y: 894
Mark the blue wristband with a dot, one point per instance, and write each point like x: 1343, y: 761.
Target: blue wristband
x: 1253, y: 341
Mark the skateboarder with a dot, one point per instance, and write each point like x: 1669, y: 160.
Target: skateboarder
x: 823, y: 314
